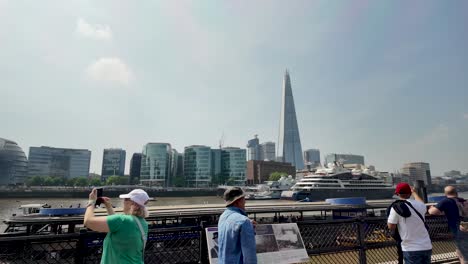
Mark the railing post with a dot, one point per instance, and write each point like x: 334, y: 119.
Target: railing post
x: 203, y: 246
x: 81, y: 247
x: 362, y: 243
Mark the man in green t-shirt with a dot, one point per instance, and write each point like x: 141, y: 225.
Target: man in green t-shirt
x: 126, y: 233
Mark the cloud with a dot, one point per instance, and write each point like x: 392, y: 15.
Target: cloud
x: 109, y: 70
x: 99, y: 32
x: 465, y: 116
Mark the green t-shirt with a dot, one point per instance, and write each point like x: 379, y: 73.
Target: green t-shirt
x: 123, y: 243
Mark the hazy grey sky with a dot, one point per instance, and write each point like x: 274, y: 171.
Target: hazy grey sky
x: 385, y: 79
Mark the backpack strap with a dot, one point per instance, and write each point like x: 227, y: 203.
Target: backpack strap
x: 416, y: 211
x: 143, y: 236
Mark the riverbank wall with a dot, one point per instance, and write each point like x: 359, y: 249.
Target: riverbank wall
x: 70, y: 193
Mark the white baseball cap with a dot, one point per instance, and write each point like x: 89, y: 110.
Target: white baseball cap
x: 138, y: 196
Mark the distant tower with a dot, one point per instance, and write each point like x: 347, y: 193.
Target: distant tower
x: 289, y: 143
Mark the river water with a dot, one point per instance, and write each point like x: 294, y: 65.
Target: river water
x: 10, y: 206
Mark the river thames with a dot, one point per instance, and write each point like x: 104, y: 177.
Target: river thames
x: 11, y: 206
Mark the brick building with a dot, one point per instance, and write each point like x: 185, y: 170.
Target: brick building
x: 258, y: 171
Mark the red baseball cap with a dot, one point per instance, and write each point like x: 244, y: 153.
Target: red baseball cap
x: 403, y: 188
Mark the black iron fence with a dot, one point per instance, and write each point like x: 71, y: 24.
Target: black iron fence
x: 330, y: 241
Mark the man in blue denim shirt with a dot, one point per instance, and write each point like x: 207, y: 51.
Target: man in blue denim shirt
x: 236, y: 233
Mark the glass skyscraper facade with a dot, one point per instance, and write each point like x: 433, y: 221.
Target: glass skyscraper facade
x: 156, y: 164
x: 268, y: 151
x: 58, y: 162
x: 253, y: 149
x: 216, y: 166
x: 113, y: 163
x: 135, y: 167
x: 234, y: 165
x: 13, y: 163
x: 197, y: 166
x: 312, y: 157
x: 289, y: 141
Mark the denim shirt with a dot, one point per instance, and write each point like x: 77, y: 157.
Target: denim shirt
x: 236, y: 238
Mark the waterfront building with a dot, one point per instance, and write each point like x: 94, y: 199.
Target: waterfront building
x: 258, y: 171
x: 233, y: 165
x: 113, y: 163
x: 289, y: 141
x: 312, y: 158
x: 174, y: 167
x: 197, y: 166
x: 344, y: 159
x: 268, y: 151
x: 418, y: 171
x: 58, y: 162
x: 156, y: 164
x: 13, y: 163
x: 253, y: 149
x: 180, y: 165
x: 135, y: 168
x: 216, y: 175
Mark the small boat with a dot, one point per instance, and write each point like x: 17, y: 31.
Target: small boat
x: 32, y: 208
x: 61, y: 211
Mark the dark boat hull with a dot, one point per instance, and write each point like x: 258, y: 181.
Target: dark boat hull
x: 322, y: 194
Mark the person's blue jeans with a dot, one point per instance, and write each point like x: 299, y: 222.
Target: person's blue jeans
x: 417, y: 257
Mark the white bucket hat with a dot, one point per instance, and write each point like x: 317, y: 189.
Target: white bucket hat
x: 138, y: 196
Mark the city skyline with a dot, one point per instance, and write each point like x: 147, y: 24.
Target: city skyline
x: 392, y: 90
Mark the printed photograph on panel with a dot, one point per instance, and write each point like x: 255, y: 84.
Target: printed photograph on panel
x: 288, y: 237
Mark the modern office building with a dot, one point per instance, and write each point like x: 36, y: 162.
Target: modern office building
x: 253, y: 149
x: 156, y: 164
x: 258, y: 171
x: 312, y: 158
x: 13, y: 163
x: 135, y: 168
x: 418, y: 171
x: 216, y: 166
x: 268, y: 151
x: 180, y: 165
x: 289, y: 141
x: 233, y: 165
x: 174, y: 167
x: 344, y: 159
x: 197, y: 166
x: 113, y: 163
x: 58, y: 162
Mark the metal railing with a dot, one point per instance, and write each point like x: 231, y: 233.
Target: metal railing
x: 327, y: 241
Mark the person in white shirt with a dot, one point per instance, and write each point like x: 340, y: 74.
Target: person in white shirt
x: 408, y: 217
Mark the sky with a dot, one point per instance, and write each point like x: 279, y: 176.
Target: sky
x: 384, y: 79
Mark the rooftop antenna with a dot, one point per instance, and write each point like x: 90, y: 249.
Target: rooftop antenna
x: 221, y: 141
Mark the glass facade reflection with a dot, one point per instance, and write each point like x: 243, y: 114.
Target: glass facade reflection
x: 156, y: 164
x: 58, y: 162
x: 197, y: 166
x: 135, y: 167
x: 13, y: 163
x: 234, y: 165
x: 113, y: 163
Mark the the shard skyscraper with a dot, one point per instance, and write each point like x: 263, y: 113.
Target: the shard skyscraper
x: 289, y: 141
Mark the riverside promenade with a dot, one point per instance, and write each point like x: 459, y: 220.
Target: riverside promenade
x: 177, y: 235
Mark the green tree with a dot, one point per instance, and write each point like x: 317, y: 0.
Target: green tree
x: 35, y: 181
x: 94, y: 182
x: 49, y: 181
x: 71, y: 182
x: 81, y: 181
x: 231, y: 181
x: 117, y: 180
x: 274, y: 176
